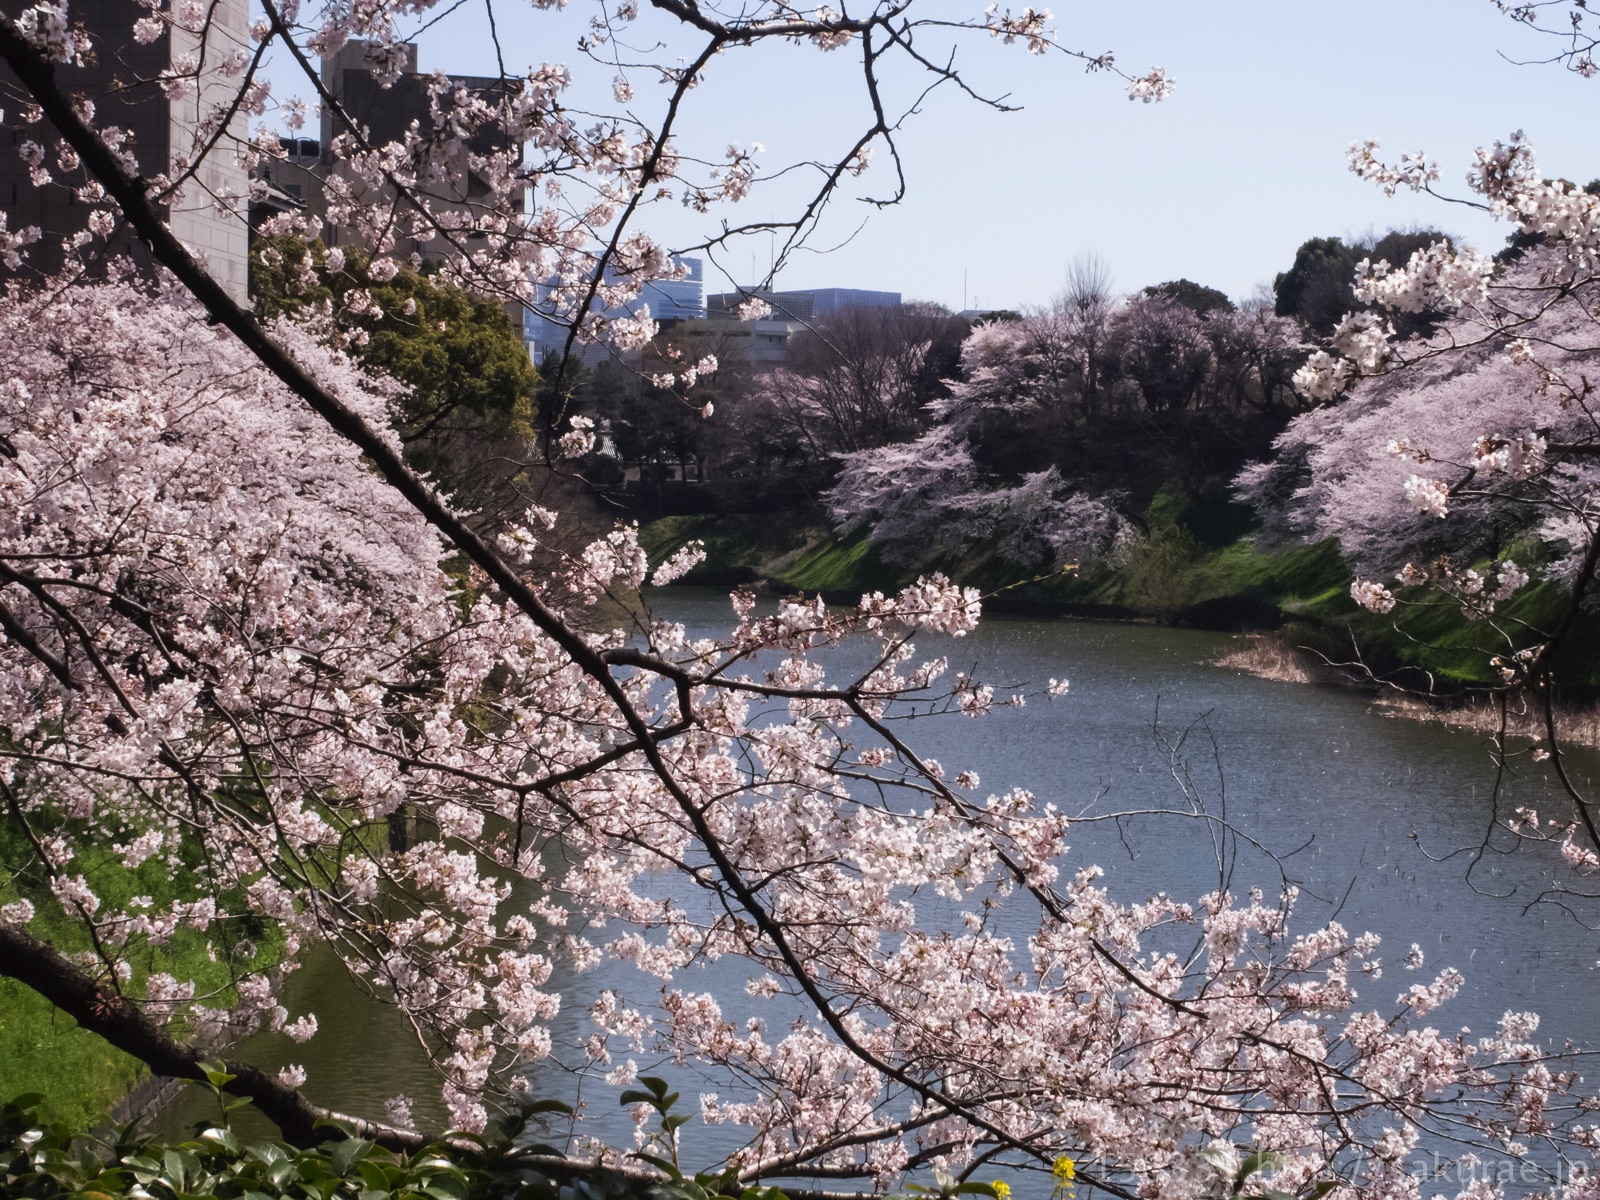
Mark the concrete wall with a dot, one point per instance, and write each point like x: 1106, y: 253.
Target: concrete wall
x: 210, y: 214
x: 119, y: 77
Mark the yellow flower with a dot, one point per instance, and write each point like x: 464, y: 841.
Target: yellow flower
x: 1002, y: 1190
x: 1065, y: 1172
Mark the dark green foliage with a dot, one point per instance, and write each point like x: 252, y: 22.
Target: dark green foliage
x: 46, y: 1160
x: 457, y: 352
x: 472, y: 390
x: 1318, y: 288
x: 41, y: 1159
x: 1196, y: 297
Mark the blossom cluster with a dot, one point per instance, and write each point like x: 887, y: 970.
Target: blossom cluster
x: 210, y: 661
x: 1489, y: 417
x: 234, y: 650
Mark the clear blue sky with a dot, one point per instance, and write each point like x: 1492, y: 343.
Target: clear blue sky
x: 1218, y: 184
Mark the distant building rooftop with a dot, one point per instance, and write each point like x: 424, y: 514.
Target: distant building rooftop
x: 803, y: 305
x: 760, y: 343
x: 671, y: 302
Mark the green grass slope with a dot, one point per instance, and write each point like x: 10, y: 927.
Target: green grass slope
x: 1199, y: 563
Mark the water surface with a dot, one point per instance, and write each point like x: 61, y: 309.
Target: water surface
x: 1369, y: 815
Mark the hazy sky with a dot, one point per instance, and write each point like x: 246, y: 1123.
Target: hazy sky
x: 1219, y: 184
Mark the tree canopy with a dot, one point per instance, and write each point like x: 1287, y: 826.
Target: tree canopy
x: 470, y: 386
x: 1196, y: 297
x: 243, y: 631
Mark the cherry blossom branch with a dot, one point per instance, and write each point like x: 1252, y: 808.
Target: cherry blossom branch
x: 39, y: 77
x: 121, y: 1023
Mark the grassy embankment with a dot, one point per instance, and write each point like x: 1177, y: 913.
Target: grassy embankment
x: 1199, y: 564
x: 42, y: 1049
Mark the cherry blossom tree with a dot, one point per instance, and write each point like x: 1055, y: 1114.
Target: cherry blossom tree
x: 1570, y: 24
x: 209, y: 662
x: 1160, y: 345
x: 241, y: 633
x: 862, y: 377
x: 930, y: 492
x: 1255, y: 355
x: 1451, y: 446
x: 993, y: 467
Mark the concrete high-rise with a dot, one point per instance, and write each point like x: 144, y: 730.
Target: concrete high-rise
x: 207, y: 212
x: 300, y: 178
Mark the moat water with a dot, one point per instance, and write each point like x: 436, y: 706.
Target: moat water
x: 1377, y: 820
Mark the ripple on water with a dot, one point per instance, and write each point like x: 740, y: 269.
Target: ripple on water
x: 1363, y: 799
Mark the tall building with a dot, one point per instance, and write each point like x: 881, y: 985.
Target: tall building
x: 670, y: 301
x: 678, y: 299
x: 300, y: 178
x: 804, y: 305
x: 120, y: 76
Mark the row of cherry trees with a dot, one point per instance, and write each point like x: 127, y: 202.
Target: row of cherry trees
x: 1010, y: 454
x: 1455, y: 466
x: 241, y: 632
x: 868, y: 378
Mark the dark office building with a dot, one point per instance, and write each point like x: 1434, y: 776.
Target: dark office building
x: 118, y: 76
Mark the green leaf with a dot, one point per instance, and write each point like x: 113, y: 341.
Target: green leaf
x: 140, y: 1162
x: 635, y: 1096
x: 377, y: 1176
x: 224, y: 1139
x: 347, y: 1153
x: 1259, y: 1160
x: 977, y: 1189
x: 182, y: 1168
